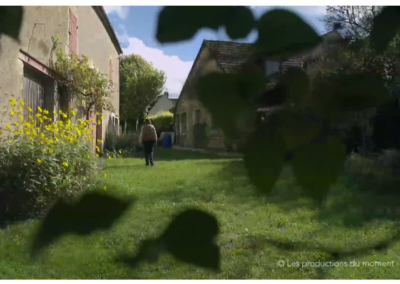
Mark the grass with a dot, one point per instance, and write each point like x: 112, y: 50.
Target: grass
x: 248, y: 222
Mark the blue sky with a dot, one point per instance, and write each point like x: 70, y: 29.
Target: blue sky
x: 136, y: 25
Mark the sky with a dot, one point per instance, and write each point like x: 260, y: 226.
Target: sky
x: 136, y: 27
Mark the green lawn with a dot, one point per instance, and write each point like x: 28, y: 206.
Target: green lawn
x: 183, y: 179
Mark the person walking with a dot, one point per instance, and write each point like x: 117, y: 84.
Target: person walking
x: 148, y: 138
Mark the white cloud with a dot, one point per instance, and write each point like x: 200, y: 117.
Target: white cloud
x: 175, y: 69
x: 122, y: 11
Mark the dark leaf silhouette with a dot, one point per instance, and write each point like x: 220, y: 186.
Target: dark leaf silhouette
x: 297, y: 129
x: 385, y: 27
x: 92, y: 212
x: 182, y: 23
x: 282, y: 34
x: 189, y: 237
x: 214, y: 91
x: 11, y: 20
x: 358, y: 91
x: 297, y: 85
x: 317, y: 166
x: 239, y: 22
x: 264, y: 155
x: 149, y: 251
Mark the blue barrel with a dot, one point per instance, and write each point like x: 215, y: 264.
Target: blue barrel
x: 167, y: 141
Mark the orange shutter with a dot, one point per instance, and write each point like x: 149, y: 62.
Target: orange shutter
x: 73, y: 33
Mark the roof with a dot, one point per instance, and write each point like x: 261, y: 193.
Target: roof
x: 229, y: 55
x: 101, y: 13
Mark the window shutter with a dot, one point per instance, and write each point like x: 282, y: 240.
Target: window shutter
x: 73, y: 33
x: 111, y: 72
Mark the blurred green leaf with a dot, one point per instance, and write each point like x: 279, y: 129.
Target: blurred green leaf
x: 297, y: 85
x: 282, y: 34
x: 358, y: 91
x: 219, y: 93
x: 317, y: 166
x: 264, y: 155
x: 11, y: 20
x: 239, y: 22
x: 182, y: 23
x: 384, y: 28
x: 92, y: 212
x: 297, y: 129
x: 190, y: 238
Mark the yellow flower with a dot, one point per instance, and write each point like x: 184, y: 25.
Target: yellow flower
x: 64, y: 115
x: 120, y: 151
x: 8, y: 126
x: 12, y: 102
x: 105, y: 175
x: 30, y: 109
x: 38, y: 114
x: 40, y: 109
x: 101, y: 117
x: 99, y: 122
x: 109, y: 157
x: 105, y: 188
x: 12, y: 112
x: 16, y: 123
x: 44, y: 150
x: 39, y: 161
x: 30, y: 117
x: 65, y: 164
x: 21, y: 117
x: 51, y: 151
x: 97, y: 149
x: 98, y: 113
x: 21, y: 102
x: 46, y: 111
x: 73, y: 112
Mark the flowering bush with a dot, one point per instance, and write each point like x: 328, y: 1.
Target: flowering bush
x: 42, y: 158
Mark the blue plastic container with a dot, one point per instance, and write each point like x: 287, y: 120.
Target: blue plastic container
x: 167, y: 141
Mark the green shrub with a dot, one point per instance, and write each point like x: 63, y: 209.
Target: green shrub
x: 126, y: 141
x: 39, y: 163
x: 162, y: 121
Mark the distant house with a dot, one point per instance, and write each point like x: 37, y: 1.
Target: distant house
x: 164, y: 103
x: 24, y: 66
x: 228, y: 57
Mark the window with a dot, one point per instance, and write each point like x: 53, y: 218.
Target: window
x: 33, y: 92
x: 111, y: 73
x: 197, y: 116
x: 272, y: 67
x: 73, y: 33
x: 183, y: 123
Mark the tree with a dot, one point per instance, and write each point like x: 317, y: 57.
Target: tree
x: 354, y: 21
x: 140, y: 86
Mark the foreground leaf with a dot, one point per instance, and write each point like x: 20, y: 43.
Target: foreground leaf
x: 264, y: 155
x: 384, y: 28
x: 297, y: 130
x: 219, y: 93
x: 358, y: 91
x: 93, y: 212
x: 239, y: 22
x: 11, y: 20
x: 182, y: 23
x: 189, y: 237
x: 282, y: 34
x: 316, y: 167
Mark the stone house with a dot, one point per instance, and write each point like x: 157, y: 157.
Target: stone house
x: 164, y: 103
x: 25, y: 66
x: 228, y: 57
